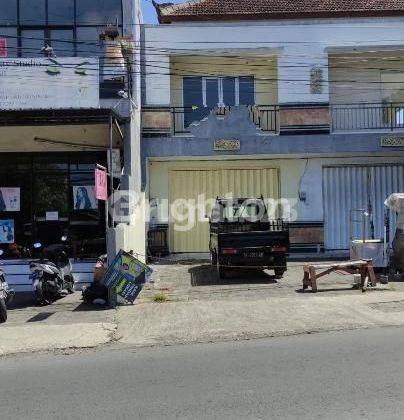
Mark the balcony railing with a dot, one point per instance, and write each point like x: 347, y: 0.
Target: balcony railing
x: 368, y: 116
x: 264, y: 117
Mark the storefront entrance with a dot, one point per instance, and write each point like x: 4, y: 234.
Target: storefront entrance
x: 350, y: 187
x: 47, y: 195
x: 192, y: 185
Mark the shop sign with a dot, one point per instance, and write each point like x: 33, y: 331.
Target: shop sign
x: 226, y: 145
x: 49, y: 83
x: 3, y: 47
x: 392, y: 141
x: 100, y: 184
x: 126, y: 276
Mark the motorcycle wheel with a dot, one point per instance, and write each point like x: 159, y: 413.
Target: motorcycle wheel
x: 3, y: 311
x: 69, y: 284
x: 39, y: 295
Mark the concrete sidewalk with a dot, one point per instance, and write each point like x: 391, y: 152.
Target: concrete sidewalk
x: 66, y: 324
x: 199, y: 307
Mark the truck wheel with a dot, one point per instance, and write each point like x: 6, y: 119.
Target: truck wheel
x: 3, y: 311
x: 392, y: 271
x: 279, y: 272
x: 213, y: 258
x: 221, y: 271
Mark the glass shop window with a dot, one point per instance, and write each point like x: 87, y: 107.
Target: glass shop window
x: 51, y: 194
x: 49, y: 162
x: 62, y: 43
x: 32, y: 12
x: 88, y: 41
x: 60, y: 12
x: 8, y: 12
x: 15, y: 213
x: 32, y: 41
x: 90, y: 12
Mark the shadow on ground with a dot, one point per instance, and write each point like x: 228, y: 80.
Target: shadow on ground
x: 206, y: 275
x: 83, y: 306
x: 22, y: 300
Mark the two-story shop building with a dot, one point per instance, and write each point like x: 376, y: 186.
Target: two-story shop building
x: 68, y: 101
x: 301, y: 102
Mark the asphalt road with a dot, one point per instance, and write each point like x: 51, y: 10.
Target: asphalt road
x: 349, y: 375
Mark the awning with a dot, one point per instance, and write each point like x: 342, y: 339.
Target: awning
x: 59, y: 117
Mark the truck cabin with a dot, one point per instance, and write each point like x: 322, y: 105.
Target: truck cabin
x: 239, y: 210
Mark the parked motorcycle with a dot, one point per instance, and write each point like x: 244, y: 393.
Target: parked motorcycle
x: 52, y: 274
x: 6, y: 295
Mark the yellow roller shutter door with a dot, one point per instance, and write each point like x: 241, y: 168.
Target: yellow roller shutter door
x: 190, y: 231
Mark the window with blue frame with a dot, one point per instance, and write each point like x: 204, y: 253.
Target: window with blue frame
x: 70, y: 27
x: 202, y: 94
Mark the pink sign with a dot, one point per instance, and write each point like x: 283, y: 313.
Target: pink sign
x: 3, y: 47
x: 100, y: 184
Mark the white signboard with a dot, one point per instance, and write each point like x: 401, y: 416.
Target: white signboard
x: 52, y: 215
x: 49, y: 83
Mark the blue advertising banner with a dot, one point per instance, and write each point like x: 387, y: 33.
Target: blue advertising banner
x: 127, y: 275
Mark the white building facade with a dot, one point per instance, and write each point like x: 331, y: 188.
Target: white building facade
x: 312, y: 104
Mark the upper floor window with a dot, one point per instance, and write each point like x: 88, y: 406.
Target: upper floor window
x: 61, y: 12
x: 201, y: 94
x: 8, y: 15
x: 90, y: 12
x: 71, y: 27
x: 218, y: 91
x: 32, y: 12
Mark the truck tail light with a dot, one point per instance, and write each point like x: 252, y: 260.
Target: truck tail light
x: 279, y: 249
x: 229, y: 251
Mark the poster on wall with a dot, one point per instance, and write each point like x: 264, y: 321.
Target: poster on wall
x: 9, y: 199
x: 6, y: 231
x: 84, y: 197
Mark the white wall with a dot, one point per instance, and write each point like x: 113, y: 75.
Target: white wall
x: 300, y: 45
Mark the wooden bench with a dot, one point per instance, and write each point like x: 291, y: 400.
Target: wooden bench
x: 362, y: 267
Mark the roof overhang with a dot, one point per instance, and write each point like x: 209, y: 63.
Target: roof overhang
x: 168, y: 13
x: 58, y: 117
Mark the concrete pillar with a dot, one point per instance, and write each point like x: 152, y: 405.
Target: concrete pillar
x: 130, y: 232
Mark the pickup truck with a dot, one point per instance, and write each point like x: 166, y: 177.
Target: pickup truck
x: 242, y: 236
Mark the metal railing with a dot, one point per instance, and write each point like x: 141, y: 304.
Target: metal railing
x: 367, y: 116
x: 265, y: 117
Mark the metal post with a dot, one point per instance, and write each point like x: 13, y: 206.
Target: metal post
x: 111, y: 171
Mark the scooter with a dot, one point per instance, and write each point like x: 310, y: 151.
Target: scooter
x: 52, y: 274
x: 6, y: 295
